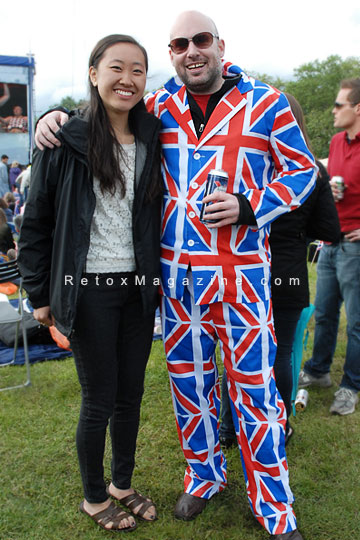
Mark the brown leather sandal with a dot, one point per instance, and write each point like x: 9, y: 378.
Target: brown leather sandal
x: 112, y: 514
x: 134, y: 500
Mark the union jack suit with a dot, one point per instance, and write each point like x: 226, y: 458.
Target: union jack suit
x: 215, y: 283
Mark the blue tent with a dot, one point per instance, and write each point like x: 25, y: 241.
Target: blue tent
x: 26, y: 61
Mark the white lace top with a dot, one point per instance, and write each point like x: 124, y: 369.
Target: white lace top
x: 111, y: 241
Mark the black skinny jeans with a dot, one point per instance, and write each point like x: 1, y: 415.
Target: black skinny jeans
x: 111, y: 344
x: 285, y: 322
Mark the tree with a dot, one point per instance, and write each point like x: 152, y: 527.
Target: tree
x: 315, y: 86
x: 70, y: 103
x: 276, y: 82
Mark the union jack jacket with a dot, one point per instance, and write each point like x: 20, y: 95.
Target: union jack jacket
x: 253, y: 136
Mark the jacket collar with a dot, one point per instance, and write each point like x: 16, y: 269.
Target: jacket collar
x: 75, y: 132
x: 231, y: 102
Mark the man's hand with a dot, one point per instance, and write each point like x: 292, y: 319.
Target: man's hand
x: 225, y: 208
x: 47, y: 127
x: 43, y: 316
x: 353, y: 236
x: 337, y: 193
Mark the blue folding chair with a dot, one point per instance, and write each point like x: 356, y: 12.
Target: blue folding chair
x: 300, y: 342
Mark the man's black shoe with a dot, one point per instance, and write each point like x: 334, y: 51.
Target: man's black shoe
x: 227, y: 442
x: 189, y: 506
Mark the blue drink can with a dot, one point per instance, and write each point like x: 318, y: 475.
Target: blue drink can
x: 217, y: 180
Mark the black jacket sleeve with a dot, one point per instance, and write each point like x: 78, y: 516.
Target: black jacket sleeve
x: 324, y: 222
x: 246, y: 213
x: 36, y: 237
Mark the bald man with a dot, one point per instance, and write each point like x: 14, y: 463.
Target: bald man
x: 216, y: 275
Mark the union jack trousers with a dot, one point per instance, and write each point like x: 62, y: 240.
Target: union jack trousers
x: 247, y: 343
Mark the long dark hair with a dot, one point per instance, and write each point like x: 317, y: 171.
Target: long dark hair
x: 103, y: 147
x: 297, y: 111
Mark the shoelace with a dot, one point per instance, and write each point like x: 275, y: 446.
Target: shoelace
x: 346, y: 392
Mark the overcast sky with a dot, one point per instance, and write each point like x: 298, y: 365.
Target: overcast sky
x: 265, y: 36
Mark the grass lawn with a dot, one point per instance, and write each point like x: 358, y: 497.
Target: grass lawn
x: 40, y: 487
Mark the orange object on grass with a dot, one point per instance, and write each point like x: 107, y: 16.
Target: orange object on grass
x: 59, y: 338
x: 8, y: 288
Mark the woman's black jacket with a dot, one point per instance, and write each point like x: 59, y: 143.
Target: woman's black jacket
x: 55, y: 232
x: 315, y: 219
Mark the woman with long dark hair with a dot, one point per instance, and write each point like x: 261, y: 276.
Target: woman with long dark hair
x: 89, y: 256
x: 315, y: 219
x: 290, y: 234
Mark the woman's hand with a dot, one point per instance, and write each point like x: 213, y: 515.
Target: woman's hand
x: 43, y: 316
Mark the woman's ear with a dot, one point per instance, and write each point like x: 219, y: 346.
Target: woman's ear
x: 93, y: 76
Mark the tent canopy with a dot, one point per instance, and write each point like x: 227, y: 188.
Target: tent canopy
x: 25, y: 61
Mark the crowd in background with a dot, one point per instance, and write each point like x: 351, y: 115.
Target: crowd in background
x: 14, y: 186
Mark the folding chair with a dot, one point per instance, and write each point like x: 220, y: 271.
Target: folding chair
x: 9, y: 272
x: 300, y: 342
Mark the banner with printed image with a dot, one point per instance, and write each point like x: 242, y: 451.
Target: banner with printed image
x: 16, y: 107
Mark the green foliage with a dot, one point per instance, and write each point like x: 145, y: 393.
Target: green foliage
x: 276, y: 82
x: 40, y: 481
x: 315, y: 86
x: 316, y: 83
x: 70, y: 103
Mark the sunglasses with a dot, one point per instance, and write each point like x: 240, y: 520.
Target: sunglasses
x: 203, y: 40
x: 338, y: 105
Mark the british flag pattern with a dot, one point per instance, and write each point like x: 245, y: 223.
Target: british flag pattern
x: 216, y: 283
x: 253, y: 136
x: 247, y: 344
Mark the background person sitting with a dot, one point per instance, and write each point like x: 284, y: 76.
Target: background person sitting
x: 6, y: 237
x: 10, y: 200
x: 17, y: 222
x: 7, y: 211
x: 17, y: 226
x: 16, y: 123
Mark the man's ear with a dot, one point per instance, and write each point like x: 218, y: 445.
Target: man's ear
x: 221, y: 45
x: 171, y: 56
x: 93, y: 75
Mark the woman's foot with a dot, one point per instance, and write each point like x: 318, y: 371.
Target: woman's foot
x: 135, y: 502
x: 108, y: 516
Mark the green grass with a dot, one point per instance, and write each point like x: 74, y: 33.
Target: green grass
x: 40, y: 487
